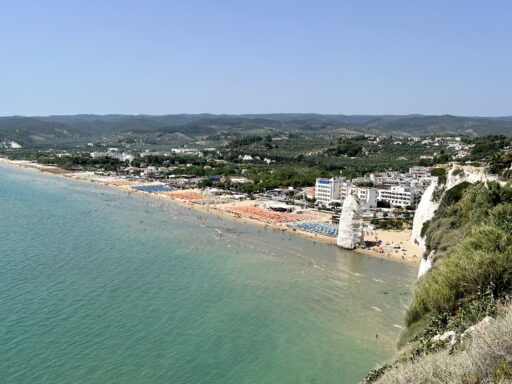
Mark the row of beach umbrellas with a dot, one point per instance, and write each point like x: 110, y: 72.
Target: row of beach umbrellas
x: 320, y: 228
x: 153, y: 188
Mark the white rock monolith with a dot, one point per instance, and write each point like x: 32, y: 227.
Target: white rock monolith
x: 350, y: 230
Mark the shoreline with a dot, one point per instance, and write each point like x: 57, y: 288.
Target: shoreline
x: 396, y: 245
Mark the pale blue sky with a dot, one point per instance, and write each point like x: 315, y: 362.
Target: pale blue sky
x: 350, y: 57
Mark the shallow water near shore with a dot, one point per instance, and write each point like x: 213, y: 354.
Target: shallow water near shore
x: 99, y: 286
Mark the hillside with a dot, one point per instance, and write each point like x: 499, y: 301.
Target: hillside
x: 468, y: 240
x: 33, y: 130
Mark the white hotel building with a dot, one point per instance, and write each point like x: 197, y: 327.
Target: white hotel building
x: 400, y: 196
x: 327, y: 190
x: 335, y: 190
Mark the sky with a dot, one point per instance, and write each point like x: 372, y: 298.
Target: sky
x: 259, y: 56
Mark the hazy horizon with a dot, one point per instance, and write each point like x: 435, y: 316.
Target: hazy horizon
x: 257, y: 114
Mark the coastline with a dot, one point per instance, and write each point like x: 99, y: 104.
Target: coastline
x: 396, y: 245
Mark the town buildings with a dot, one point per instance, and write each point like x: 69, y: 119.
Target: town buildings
x: 335, y: 190
x: 397, y: 189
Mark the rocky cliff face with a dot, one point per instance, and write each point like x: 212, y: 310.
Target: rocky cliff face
x: 425, y: 265
x: 424, y: 212
x: 350, y: 231
x: 431, y: 199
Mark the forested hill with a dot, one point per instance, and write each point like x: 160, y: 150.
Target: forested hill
x: 30, y: 129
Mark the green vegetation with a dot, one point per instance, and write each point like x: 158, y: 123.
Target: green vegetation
x: 388, y: 224
x: 438, y: 172
x: 483, y: 259
x: 286, y: 150
x: 424, y: 228
x: 471, y: 231
x: 485, y: 357
x: 383, y: 204
x: 351, y: 147
x: 83, y: 162
x: 183, y: 129
x: 283, y: 176
x: 458, y: 171
x: 454, y: 194
x: 487, y: 146
x: 501, y: 165
x: 455, y: 219
x: 328, y: 154
x: 471, y: 279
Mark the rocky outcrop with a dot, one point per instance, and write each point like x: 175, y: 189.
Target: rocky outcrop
x: 449, y: 336
x: 460, y: 173
x: 452, y: 337
x: 478, y: 327
x: 350, y: 231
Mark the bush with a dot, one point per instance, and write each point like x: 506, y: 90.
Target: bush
x: 454, y: 194
x: 424, y: 228
x: 484, y: 258
x: 501, y: 216
x: 438, y: 172
x: 457, y: 171
x: 454, y: 219
x: 472, y: 229
x: 388, y: 224
x: 472, y: 232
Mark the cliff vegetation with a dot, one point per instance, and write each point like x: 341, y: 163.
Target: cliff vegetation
x: 469, y: 285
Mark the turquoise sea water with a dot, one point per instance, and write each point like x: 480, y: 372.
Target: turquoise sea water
x: 100, y: 287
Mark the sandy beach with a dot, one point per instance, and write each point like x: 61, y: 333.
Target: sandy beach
x: 394, y: 245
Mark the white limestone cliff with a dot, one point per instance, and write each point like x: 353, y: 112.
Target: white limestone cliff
x: 350, y: 231
x: 424, y: 212
x: 425, y: 264
x: 429, y: 204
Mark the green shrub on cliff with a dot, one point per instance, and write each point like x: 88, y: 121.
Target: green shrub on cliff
x: 471, y: 236
x: 462, y: 207
x: 482, y: 259
x: 472, y: 233
x: 438, y: 172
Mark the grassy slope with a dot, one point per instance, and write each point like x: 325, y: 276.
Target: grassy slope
x: 472, y: 275
x: 474, y: 234
x: 486, y: 358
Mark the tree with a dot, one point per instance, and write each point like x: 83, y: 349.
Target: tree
x: 206, y: 182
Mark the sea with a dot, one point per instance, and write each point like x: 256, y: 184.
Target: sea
x: 101, y: 286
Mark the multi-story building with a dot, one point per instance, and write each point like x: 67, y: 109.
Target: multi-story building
x: 335, y: 190
x: 398, y: 189
x: 386, y: 179
x: 400, y: 196
x: 328, y: 190
x: 368, y: 197
x: 419, y: 172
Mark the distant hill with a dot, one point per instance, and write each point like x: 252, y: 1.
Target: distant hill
x: 478, y: 126
x: 30, y: 130
x: 25, y: 130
